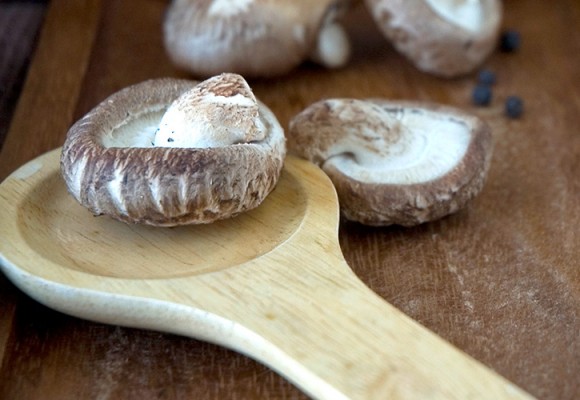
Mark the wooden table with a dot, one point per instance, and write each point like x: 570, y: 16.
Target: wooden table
x: 500, y: 279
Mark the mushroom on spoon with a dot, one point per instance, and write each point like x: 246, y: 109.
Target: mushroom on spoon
x: 169, y: 152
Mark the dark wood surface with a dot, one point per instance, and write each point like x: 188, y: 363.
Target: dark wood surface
x: 19, y: 26
x: 500, y: 279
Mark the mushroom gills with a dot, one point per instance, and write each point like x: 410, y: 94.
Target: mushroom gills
x: 136, y: 131
x: 428, y: 147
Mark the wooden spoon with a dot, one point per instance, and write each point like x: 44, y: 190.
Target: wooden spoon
x: 271, y: 284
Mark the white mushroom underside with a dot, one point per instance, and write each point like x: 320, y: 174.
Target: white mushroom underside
x: 136, y: 132
x: 467, y: 14
x: 438, y: 144
x: 218, y: 112
x: 142, y: 133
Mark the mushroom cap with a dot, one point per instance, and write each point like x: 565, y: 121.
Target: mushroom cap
x: 401, y: 163
x: 254, y: 38
x: 447, y: 38
x: 110, y: 166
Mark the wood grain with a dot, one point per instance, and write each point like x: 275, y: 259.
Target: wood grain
x: 500, y: 279
x: 51, y: 91
x: 19, y: 26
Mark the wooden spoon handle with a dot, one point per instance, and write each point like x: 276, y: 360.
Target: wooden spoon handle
x: 335, y: 338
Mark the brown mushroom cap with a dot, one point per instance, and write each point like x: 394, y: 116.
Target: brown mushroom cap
x: 436, y: 38
x: 254, y: 38
x: 391, y: 162
x: 111, y: 167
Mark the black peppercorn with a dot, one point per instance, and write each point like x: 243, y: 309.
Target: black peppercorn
x: 514, y: 107
x: 510, y: 41
x: 486, y: 77
x: 481, y: 95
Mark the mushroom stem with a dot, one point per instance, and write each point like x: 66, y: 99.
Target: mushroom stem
x: 332, y: 46
x: 220, y: 111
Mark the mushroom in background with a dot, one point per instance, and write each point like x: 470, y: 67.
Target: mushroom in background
x: 164, y: 152
x: 402, y: 163
x: 254, y: 38
x: 447, y: 38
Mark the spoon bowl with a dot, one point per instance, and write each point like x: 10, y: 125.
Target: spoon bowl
x: 70, y: 235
